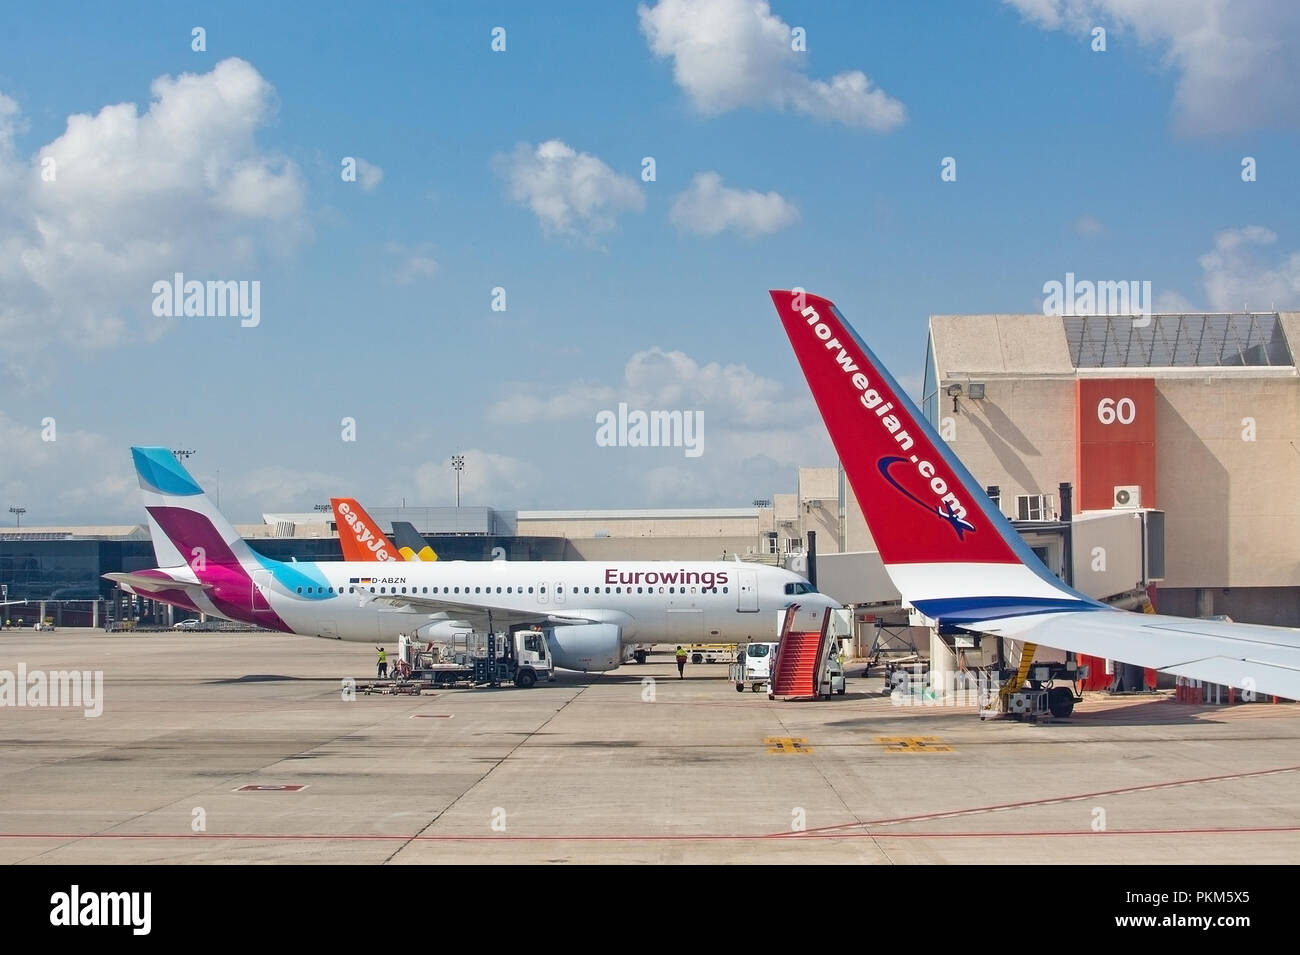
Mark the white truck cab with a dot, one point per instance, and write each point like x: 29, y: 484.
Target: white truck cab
x: 754, y: 667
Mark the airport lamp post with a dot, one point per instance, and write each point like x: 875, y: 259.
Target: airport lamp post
x: 18, y: 513
x: 182, y: 454
x: 458, y: 465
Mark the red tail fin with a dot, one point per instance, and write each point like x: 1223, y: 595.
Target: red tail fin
x: 360, y: 536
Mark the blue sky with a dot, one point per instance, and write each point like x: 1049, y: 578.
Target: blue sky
x: 376, y: 297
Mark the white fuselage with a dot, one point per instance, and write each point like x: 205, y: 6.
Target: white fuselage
x: 650, y: 601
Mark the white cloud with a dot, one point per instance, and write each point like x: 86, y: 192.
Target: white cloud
x: 729, y: 54
x: 1235, y: 62
x: 415, y: 263
x: 655, y: 378
x: 488, y: 479
x: 81, y: 475
x: 1170, y: 301
x: 1088, y: 226
x: 755, y: 432
x: 708, y: 207
x: 1235, y: 281
x: 369, y: 176
x: 274, y: 489
x: 576, y: 401
x: 571, y: 193
x: 135, y: 197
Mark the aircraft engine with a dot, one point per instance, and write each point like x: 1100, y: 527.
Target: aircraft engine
x: 588, y: 647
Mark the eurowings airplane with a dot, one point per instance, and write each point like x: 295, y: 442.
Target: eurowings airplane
x: 588, y: 609
x: 958, y: 560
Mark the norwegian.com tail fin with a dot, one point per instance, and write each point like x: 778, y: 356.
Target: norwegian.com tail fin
x: 950, y: 553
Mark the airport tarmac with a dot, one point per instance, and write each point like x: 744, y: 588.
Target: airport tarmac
x: 630, y: 766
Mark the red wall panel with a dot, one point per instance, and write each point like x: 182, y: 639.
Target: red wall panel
x: 1116, y: 431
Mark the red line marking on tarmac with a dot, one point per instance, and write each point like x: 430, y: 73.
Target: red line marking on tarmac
x: 997, y: 807
x: 702, y: 837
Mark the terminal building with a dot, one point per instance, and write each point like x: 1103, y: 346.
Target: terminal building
x: 1177, y: 437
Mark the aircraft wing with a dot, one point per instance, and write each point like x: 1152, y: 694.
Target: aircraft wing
x: 476, y: 614
x: 1246, y: 656
x: 955, y: 557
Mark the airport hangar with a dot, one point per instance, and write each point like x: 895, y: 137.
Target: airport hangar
x: 1177, y: 436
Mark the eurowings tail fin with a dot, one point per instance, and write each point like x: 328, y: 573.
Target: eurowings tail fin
x: 187, y: 528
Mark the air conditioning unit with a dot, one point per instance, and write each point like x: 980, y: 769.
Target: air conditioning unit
x: 1128, y: 495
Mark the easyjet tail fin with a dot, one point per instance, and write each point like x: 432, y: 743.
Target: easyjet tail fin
x: 360, y: 536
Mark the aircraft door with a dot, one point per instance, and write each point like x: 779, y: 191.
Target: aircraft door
x: 747, y: 591
x: 261, y: 584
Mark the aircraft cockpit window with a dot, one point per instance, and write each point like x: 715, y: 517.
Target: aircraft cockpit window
x: 800, y: 587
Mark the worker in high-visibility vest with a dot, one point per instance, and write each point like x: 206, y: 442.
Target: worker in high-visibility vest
x: 681, y: 663
x: 383, y: 663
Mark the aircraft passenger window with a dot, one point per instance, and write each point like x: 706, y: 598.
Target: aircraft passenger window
x: 530, y: 590
x: 383, y: 590
x: 661, y: 590
x: 541, y: 590
x: 352, y: 590
x: 372, y: 590
x: 575, y: 590
x: 477, y: 590
x: 403, y: 590
x: 692, y: 590
x: 299, y: 590
x: 724, y: 590
x: 498, y: 590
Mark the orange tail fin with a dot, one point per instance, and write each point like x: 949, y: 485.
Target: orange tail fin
x: 360, y: 536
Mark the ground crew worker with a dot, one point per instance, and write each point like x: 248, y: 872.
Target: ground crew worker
x: 383, y: 663
x: 681, y: 663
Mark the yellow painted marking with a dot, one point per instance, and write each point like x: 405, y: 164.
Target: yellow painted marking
x: 913, y: 744
x: 787, y: 744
